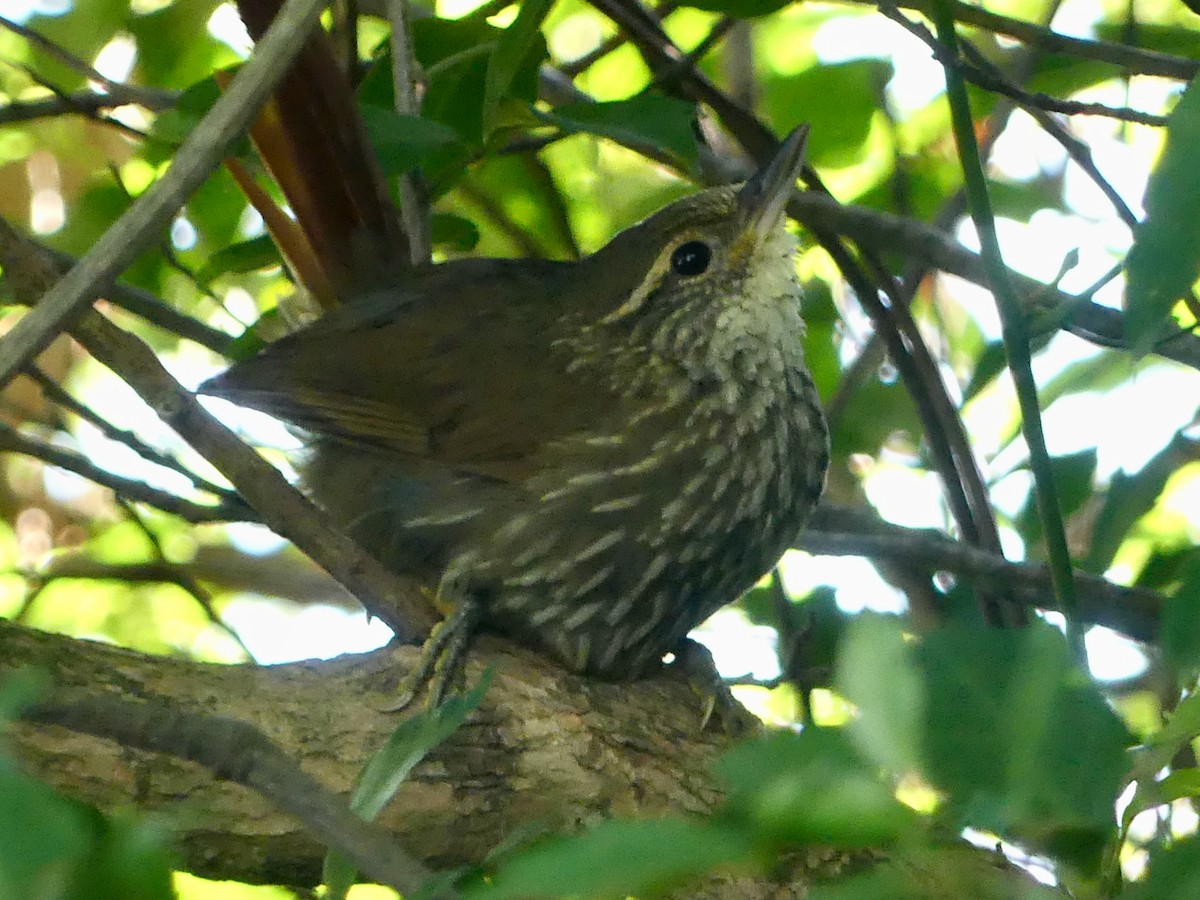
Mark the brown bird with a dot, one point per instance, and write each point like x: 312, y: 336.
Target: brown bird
x: 589, y: 457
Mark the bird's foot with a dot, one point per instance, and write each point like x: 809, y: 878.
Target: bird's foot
x: 443, y: 655
x: 717, y: 703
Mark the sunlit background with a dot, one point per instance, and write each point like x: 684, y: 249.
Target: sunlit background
x: 1126, y: 424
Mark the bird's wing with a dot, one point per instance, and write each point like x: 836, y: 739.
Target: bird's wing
x: 473, y: 378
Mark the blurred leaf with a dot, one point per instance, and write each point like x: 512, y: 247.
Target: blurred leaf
x: 1073, y: 475
x: 1103, y: 371
x: 662, y: 122
x: 839, y: 100
x: 93, y: 214
x: 390, y: 765
x: 520, y: 209
x: 1173, y: 873
x: 246, y: 256
x: 992, y: 361
x: 811, y: 788
x: 1063, y: 74
x: 53, y: 848
x: 876, y: 672
x: 1021, y: 200
x: 957, y: 871
x: 519, y: 42
x: 1156, y: 753
x: 1165, y: 258
x: 1165, y: 567
x: 455, y: 55
x: 816, y: 617
x: 1180, y: 636
x: 454, y: 233
x: 404, y: 143
x: 173, y: 125
x: 175, y: 47
x: 1178, y: 40
x: 616, y: 859
x: 1129, y: 497
x: 1023, y: 743
x: 82, y: 36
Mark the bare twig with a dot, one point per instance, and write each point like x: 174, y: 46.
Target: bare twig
x: 55, y: 393
x: 414, y: 192
x: 151, y: 97
x: 989, y: 79
x: 12, y: 441
x: 1131, y: 59
x: 88, y: 103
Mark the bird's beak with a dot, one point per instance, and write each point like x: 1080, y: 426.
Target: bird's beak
x: 764, y: 196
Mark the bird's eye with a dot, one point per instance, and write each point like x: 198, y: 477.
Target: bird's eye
x: 691, y: 259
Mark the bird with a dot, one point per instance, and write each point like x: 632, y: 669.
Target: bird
x: 587, y: 457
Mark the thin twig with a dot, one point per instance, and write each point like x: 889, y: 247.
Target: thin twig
x: 414, y: 192
x: 1131, y: 59
x: 1100, y: 325
x: 990, y: 80
x: 87, y: 103
x: 58, y: 395
x: 12, y: 441
x: 151, y: 97
x: 1014, y: 331
x: 147, y: 306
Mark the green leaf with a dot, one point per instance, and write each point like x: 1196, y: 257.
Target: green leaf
x: 661, y: 122
x: 174, y: 44
x: 617, y: 859
x: 811, y: 788
x: 54, y: 847
x: 876, y: 672
x: 454, y: 233
x: 456, y: 57
x: 840, y: 102
x: 404, y: 143
x: 245, y: 256
x: 954, y: 871
x: 1180, y: 635
x: 391, y: 764
x: 173, y: 125
x: 42, y: 835
x: 1165, y: 259
x: 1023, y: 743
x: 1157, y: 752
x: 520, y: 41
x: 1129, y: 497
x: 1073, y: 476
x: 1173, y: 873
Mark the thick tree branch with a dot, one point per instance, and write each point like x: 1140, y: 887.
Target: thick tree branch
x: 546, y: 751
